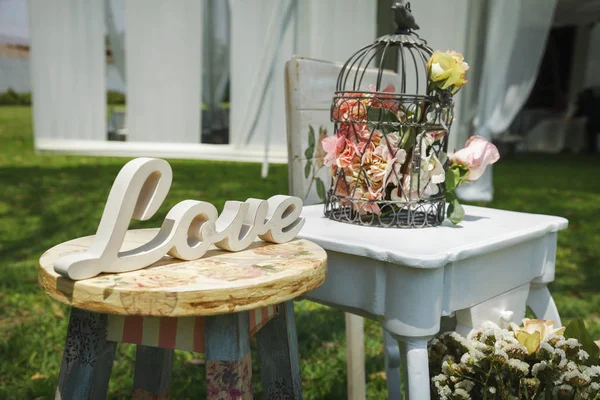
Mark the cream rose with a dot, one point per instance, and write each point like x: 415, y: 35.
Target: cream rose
x: 535, y: 331
x: 447, y: 70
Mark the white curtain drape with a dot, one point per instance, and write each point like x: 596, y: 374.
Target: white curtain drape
x: 163, y: 42
x: 67, y: 62
x: 215, y: 71
x: 517, y: 31
x: 114, y: 10
x: 447, y: 25
x: 264, y: 36
x: 592, y: 77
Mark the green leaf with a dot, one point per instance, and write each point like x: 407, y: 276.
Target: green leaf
x: 320, y: 189
x: 456, y: 175
x: 456, y: 212
x: 322, y: 131
x: 408, y: 139
x: 452, y: 178
x: 380, y: 118
x: 107, y: 292
x: 307, y: 168
x: 310, y: 150
x: 577, y: 330
x: 311, y: 137
x: 308, y: 153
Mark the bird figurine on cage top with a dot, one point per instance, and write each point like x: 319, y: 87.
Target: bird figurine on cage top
x: 403, y: 16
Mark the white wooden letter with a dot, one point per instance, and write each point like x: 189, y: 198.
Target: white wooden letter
x: 284, y: 220
x: 194, y: 228
x: 188, y: 230
x: 138, y: 191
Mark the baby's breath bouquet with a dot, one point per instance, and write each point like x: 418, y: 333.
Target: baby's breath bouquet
x: 533, y: 362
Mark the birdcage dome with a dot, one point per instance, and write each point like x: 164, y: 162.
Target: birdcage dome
x: 391, y: 130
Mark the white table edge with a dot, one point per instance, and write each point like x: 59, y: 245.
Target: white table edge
x: 442, y: 259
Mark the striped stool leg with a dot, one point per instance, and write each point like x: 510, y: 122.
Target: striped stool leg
x: 87, y: 358
x: 228, y: 360
x: 152, y: 378
x: 278, y: 355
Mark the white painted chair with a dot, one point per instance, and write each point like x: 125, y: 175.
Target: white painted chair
x: 309, y: 89
x: 310, y: 85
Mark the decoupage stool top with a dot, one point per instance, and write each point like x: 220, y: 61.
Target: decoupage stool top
x: 222, y: 282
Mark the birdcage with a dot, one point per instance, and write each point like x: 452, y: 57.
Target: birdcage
x: 388, y: 153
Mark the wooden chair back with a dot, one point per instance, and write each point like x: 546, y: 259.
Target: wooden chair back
x: 310, y: 86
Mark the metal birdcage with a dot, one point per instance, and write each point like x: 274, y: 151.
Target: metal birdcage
x: 391, y: 134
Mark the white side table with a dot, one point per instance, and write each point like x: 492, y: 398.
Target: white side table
x: 407, y: 279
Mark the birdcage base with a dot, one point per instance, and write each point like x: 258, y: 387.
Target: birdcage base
x: 386, y: 214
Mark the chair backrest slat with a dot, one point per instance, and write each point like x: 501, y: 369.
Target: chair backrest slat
x: 310, y: 87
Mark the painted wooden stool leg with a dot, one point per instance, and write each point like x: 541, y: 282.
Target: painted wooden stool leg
x: 355, y: 356
x: 542, y: 304
x: 277, y: 344
x: 228, y: 360
x: 392, y: 366
x: 87, y: 358
x: 153, y: 367
x: 413, y: 353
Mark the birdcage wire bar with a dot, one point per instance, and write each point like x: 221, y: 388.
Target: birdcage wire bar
x: 378, y: 124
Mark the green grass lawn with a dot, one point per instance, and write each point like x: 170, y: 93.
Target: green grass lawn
x: 45, y: 200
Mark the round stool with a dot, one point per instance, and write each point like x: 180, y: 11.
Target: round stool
x: 211, y: 305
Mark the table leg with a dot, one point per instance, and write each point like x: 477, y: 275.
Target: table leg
x: 392, y: 366
x: 87, y: 358
x: 277, y: 344
x: 355, y: 356
x: 415, y: 365
x: 228, y: 360
x: 153, y: 367
x: 542, y: 304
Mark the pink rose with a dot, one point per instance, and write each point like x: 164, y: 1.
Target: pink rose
x: 350, y: 109
x: 391, y: 104
x: 320, y: 151
x: 354, y: 132
x: 333, y: 146
x: 348, y: 155
x: 476, y: 156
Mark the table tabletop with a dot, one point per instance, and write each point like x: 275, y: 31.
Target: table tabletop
x: 220, y: 282
x: 483, y: 230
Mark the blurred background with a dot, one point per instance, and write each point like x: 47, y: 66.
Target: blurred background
x: 87, y: 84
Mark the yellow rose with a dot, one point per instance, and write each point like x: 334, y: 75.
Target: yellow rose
x: 535, y: 331
x: 447, y: 70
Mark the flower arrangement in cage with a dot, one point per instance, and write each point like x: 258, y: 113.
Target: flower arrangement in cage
x: 388, y: 154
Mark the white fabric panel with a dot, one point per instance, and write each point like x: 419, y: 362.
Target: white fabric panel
x: 114, y: 10
x: 163, y: 44
x: 592, y: 75
x: 255, y: 35
x: 581, y: 49
x: 68, y: 69
x: 333, y: 30
x: 444, y: 25
x: 516, y: 39
x: 329, y: 30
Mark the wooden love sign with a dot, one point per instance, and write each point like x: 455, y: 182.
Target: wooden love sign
x: 188, y: 230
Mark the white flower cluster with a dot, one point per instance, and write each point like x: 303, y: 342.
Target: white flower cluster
x: 491, y: 363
